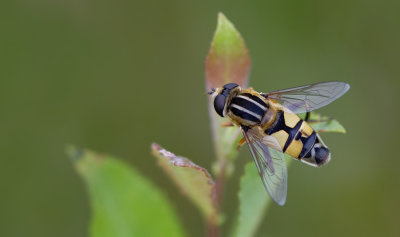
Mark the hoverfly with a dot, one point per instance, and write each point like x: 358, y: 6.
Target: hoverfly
x: 271, y: 127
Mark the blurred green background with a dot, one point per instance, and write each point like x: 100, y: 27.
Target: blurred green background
x: 115, y: 76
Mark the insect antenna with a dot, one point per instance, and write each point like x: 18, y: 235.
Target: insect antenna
x: 211, y: 92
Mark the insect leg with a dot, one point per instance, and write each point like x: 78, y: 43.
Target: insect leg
x: 307, y: 117
x: 227, y: 124
x: 240, y: 143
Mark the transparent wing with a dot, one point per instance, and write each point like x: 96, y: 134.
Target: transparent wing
x: 270, y: 162
x: 310, y: 97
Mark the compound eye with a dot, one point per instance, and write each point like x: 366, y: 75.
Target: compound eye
x: 230, y: 86
x: 219, y: 104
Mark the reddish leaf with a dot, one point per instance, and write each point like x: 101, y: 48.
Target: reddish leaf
x: 194, y: 181
x: 228, y: 59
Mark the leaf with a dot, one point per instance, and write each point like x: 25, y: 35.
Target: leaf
x: 123, y: 202
x: 194, y: 181
x: 325, y: 124
x: 228, y: 58
x: 228, y: 61
x: 253, y: 201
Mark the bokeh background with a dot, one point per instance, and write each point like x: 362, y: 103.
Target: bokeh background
x: 115, y: 76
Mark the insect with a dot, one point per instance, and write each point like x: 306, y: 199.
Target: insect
x: 271, y: 127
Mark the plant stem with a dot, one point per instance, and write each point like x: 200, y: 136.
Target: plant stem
x: 213, y: 225
x: 220, y: 184
x: 212, y: 228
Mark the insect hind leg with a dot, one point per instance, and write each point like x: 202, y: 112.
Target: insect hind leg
x: 241, y: 143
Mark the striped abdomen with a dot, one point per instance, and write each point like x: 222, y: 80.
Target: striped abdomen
x: 298, y: 139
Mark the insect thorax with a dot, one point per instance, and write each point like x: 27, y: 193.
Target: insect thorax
x: 247, y: 108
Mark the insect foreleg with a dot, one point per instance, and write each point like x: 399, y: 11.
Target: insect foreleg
x: 227, y: 124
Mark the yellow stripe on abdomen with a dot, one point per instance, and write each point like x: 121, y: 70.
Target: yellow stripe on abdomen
x: 281, y: 136
x: 291, y: 119
x: 294, y: 148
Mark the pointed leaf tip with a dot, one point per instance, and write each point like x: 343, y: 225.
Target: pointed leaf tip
x: 228, y: 59
x: 74, y: 153
x: 194, y: 181
x: 224, y: 22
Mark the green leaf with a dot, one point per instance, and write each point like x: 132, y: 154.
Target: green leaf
x: 253, y: 201
x: 194, y: 181
x: 123, y: 202
x: 228, y: 61
x: 325, y: 124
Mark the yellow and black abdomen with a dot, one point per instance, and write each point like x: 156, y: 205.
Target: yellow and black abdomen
x: 297, y: 138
